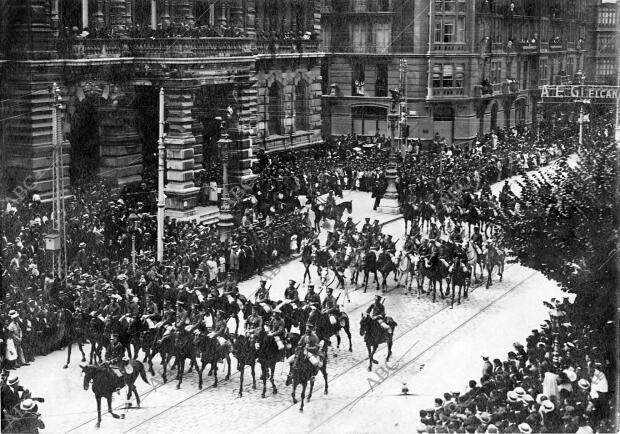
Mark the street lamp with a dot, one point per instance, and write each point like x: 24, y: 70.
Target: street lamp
x: 390, y: 198
x: 225, y: 222
x: 133, y: 220
x: 556, y: 316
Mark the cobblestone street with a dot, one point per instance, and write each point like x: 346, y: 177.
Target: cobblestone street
x: 425, y: 356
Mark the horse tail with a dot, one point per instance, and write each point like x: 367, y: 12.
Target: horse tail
x: 142, y: 373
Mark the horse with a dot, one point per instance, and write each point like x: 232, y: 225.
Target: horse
x: 386, y: 265
x: 97, y: 337
x: 339, y: 209
x: 303, y: 371
x: 306, y: 259
x: 459, y: 276
x: 244, y: 350
x: 268, y: 355
x: 474, y: 259
x: 370, y: 266
x: 75, y: 327
x: 325, y: 329
x: 164, y: 346
x: 494, y: 257
x: 428, y: 210
x: 374, y: 335
x: 105, y: 382
x: 406, y: 267
x: 411, y: 213
x: 436, y: 270
x: 472, y: 217
x: 210, y: 351
x: 182, y: 348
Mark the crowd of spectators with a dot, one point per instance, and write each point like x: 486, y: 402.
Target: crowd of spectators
x: 100, y: 225
x: 556, y: 382
x: 20, y: 411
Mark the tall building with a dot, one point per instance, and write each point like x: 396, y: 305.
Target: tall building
x: 256, y: 59
x: 602, y: 61
x: 472, y: 66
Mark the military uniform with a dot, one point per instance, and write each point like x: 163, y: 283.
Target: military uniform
x: 312, y: 298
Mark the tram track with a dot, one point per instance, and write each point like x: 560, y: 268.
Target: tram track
x: 401, y: 335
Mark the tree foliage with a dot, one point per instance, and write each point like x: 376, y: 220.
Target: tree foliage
x: 566, y: 225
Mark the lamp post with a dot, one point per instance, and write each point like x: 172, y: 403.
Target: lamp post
x: 556, y: 315
x: 389, y: 202
x: 225, y: 222
x: 133, y: 218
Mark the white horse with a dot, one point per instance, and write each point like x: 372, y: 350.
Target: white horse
x: 474, y: 258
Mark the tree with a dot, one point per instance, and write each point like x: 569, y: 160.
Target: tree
x: 566, y: 227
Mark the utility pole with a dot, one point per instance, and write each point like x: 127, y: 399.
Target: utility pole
x: 57, y: 240
x: 403, y: 111
x: 161, y: 196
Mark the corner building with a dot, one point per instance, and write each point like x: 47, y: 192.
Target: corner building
x: 472, y: 65
x: 110, y: 58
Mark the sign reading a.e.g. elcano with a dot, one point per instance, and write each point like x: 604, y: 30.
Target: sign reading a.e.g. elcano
x: 579, y: 91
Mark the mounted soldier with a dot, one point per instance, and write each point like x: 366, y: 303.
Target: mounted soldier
x: 312, y: 298
x: 277, y: 329
x: 330, y: 306
x: 291, y: 293
x: 115, y: 354
x: 220, y: 331
x: 377, y: 312
x: 254, y: 325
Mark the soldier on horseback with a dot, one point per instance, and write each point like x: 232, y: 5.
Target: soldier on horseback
x: 291, y: 293
x: 262, y: 296
x: 367, y: 226
x: 312, y: 298
x: 349, y: 226
x: 220, y: 331
x: 310, y: 342
x: 253, y: 324
x: 277, y: 329
x: 377, y: 312
x: 115, y: 354
x: 476, y: 239
x: 330, y: 306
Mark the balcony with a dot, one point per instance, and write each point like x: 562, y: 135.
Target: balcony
x: 91, y: 48
x: 556, y: 46
x: 287, y: 47
x: 544, y: 46
x: 446, y: 92
x: 369, y: 48
x: 450, y: 47
x: 497, y: 47
x: 527, y: 46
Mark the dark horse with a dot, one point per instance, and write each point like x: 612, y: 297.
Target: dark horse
x: 303, y: 371
x: 210, y: 352
x: 76, y: 324
x: 459, y: 276
x: 494, y: 257
x: 325, y: 329
x: 338, y: 210
x: 105, y: 382
x: 374, y: 335
x: 244, y: 350
x: 436, y: 270
x: 268, y: 355
x: 386, y: 265
x: 411, y: 213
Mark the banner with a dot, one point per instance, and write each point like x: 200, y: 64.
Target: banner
x: 580, y: 91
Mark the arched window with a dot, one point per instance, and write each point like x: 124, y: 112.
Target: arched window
x: 302, y: 111
x: 275, y: 109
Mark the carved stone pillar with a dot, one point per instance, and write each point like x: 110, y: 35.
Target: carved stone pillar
x: 181, y: 193
x: 250, y: 18
x: 222, y: 8
x: 183, y: 12
x: 259, y: 21
x: 118, y: 9
x: 98, y: 16
x: 121, y: 150
x: 153, y: 14
x: 84, y: 14
x: 165, y: 17
x: 129, y: 12
x: 236, y: 13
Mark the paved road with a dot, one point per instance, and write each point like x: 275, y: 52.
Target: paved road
x: 436, y: 349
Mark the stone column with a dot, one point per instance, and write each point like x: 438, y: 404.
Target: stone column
x: 118, y: 9
x: 239, y: 170
x: 55, y: 17
x: 165, y: 18
x: 181, y: 193
x: 250, y: 18
x: 222, y: 20
x: 259, y: 19
x: 236, y: 13
x: 183, y: 12
x: 153, y: 14
x: 129, y: 12
x: 84, y: 14
x: 121, y: 150
x: 99, y: 17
